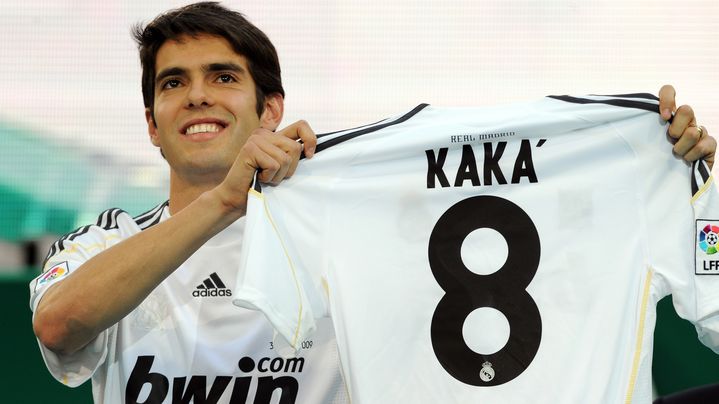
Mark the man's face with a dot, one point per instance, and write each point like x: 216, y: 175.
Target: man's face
x: 205, y: 106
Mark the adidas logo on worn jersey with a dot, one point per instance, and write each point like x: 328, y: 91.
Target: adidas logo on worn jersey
x: 212, y: 286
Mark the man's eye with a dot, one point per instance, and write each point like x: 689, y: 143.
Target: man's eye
x: 225, y: 78
x: 172, y: 83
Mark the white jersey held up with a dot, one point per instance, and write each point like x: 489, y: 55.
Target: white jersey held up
x: 498, y: 255
x: 186, y: 342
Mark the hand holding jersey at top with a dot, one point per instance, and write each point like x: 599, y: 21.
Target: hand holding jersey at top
x: 116, y: 301
x: 692, y: 140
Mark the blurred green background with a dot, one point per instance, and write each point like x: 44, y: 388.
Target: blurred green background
x: 47, y: 189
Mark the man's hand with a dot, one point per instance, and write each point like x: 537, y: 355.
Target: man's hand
x: 274, y: 154
x: 279, y: 152
x: 692, y: 141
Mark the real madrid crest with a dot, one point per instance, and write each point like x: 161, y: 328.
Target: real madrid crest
x: 487, y: 373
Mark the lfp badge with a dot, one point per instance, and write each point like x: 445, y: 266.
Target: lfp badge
x: 707, y: 246
x: 58, y: 271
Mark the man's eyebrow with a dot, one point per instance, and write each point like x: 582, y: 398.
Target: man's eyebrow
x: 170, y: 71
x: 225, y: 66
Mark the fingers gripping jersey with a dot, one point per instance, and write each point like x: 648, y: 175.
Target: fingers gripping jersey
x: 186, y: 342
x: 497, y: 255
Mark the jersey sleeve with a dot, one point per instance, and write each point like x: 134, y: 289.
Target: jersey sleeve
x: 680, y: 209
x: 703, y: 307
x: 281, y: 270
x: 64, y: 258
x: 695, y: 290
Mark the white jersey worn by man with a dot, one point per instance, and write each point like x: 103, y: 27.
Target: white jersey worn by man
x: 187, y: 343
x: 505, y: 255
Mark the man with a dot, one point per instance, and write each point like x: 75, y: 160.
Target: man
x: 141, y: 305
x: 145, y: 313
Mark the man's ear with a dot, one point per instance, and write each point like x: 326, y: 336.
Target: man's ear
x: 273, y: 111
x: 152, y: 127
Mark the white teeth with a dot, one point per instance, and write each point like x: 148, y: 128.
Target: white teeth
x: 203, y: 127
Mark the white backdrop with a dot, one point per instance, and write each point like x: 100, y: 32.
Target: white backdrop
x: 70, y: 70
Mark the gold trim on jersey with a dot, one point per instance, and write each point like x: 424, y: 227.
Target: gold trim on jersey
x: 640, y: 336
x: 703, y: 189
x: 289, y: 261
x: 89, y: 247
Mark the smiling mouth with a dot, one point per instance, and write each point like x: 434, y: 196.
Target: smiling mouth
x: 203, y: 128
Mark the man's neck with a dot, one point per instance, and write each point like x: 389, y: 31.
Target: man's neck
x: 184, y: 191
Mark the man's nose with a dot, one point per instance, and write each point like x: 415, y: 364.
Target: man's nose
x: 199, y: 95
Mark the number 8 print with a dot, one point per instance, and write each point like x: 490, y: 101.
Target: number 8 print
x: 503, y: 290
